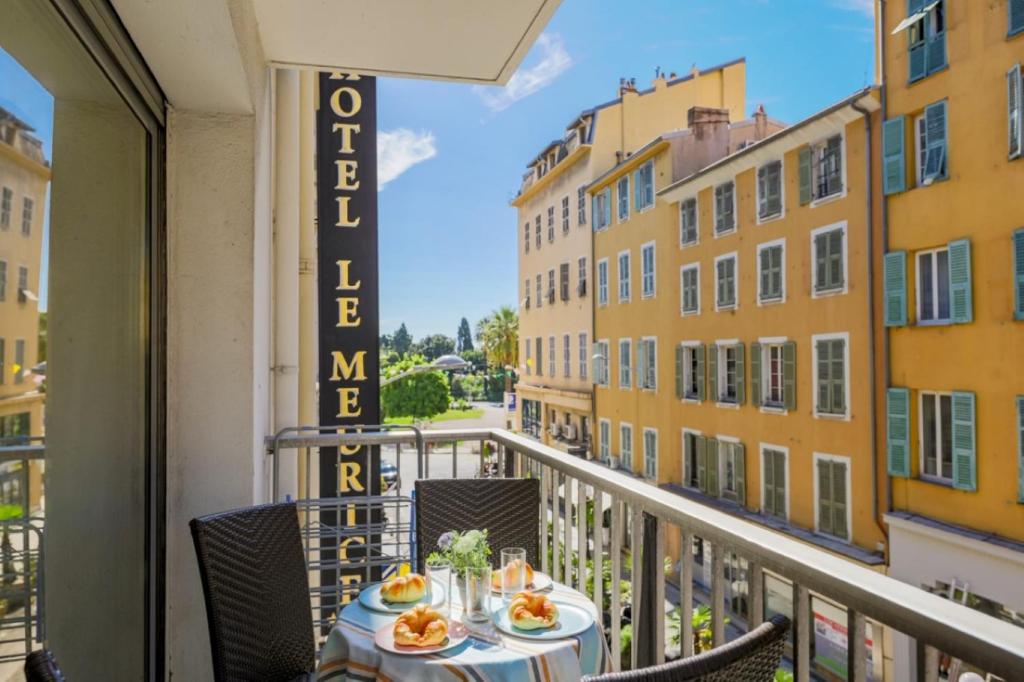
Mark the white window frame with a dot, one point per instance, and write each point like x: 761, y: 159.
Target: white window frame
x: 841, y: 225
x: 605, y: 350
x: 696, y: 222
x: 785, y: 460
x: 539, y: 239
x: 551, y: 224
x: 626, y: 452
x: 565, y: 214
x: 602, y: 198
x: 621, y: 216
x: 937, y: 477
x: 642, y: 382
x: 845, y: 336
x: 28, y: 206
x: 624, y: 293
x: 918, y: 294
x: 1015, y: 110
x: 721, y: 440
x: 767, y: 342
x: 581, y: 205
x: 584, y: 353
x: 919, y: 148
x: 581, y: 275
x: 735, y: 281
x: 567, y: 356
x: 819, y: 457
x: 684, y: 469
x: 625, y: 377
x: 6, y: 207
x: 552, y: 355
x: 842, y: 169
x: 690, y: 347
x: 602, y: 287
x: 682, y: 298
x: 653, y: 431
x: 761, y: 247
x: 782, y: 192
x: 653, y: 275
x: 654, y: 188
x: 720, y: 368
x: 604, y: 445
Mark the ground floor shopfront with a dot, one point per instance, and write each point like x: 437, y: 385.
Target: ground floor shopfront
x: 556, y: 417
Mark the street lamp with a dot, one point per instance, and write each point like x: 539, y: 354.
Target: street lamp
x: 445, y: 362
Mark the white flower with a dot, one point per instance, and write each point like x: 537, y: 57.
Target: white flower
x: 465, y: 544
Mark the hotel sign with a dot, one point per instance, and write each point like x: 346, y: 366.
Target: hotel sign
x: 346, y: 171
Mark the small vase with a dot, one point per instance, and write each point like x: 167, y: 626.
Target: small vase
x: 475, y: 593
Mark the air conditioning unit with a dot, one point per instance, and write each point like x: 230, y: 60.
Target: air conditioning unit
x: 570, y: 431
x: 554, y: 430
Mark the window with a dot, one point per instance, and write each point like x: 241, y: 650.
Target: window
x: 930, y: 144
x: 565, y: 214
x: 1016, y: 21
x: 19, y: 361
x: 689, y: 287
x: 690, y: 467
x: 773, y: 497
x: 537, y: 228
x: 828, y: 244
x: 563, y: 281
x: 566, y: 356
x: 622, y: 195
x: 602, y: 209
x: 551, y: 223
x: 727, y: 372
x: 936, y: 422
x: 647, y: 281
x: 604, y: 437
x: 623, y: 276
x: 601, y: 362
x: 1020, y: 427
x: 26, y: 216
x: 551, y: 356
x: 526, y: 294
x: 581, y: 282
x: 771, y: 269
x: 830, y: 375
x: 22, y: 283
x: 725, y: 214
x: 693, y: 372
x: 725, y: 282
x: 626, y: 446
x: 732, y: 459
x: 540, y: 297
x: 3, y: 361
x: 583, y: 355
x: 551, y: 285
x: 5, y: 207
x: 602, y: 282
x: 832, y: 490
x: 647, y: 364
x: 529, y: 357
x: 827, y: 167
x: 773, y: 374
x: 526, y: 234
x: 926, y: 37
x: 769, y: 190
x: 933, y: 287
x: 1015, y: 108
x: 1018, y: 274
x: 651, y: 453
x: 625, y: 363
x: 539, y: 347
x: 644, y: 186
x: 688, y: 222
x: 581, y: 205
x: 3, y: 280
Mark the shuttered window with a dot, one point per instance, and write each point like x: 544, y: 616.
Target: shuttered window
x: 711, y: 467
x: 581, y: 279
x: 551, y: 356
x: 551, y: 223
x: 897, y: 431
x: 3, y: 280
x: 647, y: 278
x: 833, y: 498
x: 728, y: 363
x: 689, y: 286
x: 537, y: 231
x: 624, y: 277
x: 725, y: 218
x: 961, y: 298
x: 1018, y: 274
x: 895, y: 280
x: 604, y: 437
x: 602, y: 209
x: 581, y: 205
x: 770, y: 272
x: 602, y: 282
x: 806, y: 192
x: 933, y: 144
x: 1015, y: 8
x: 526, y: 234
x: 688, y: 222
x: 540, y: 297
x: 27, y: 206
x: 732, y: 460
x: 6, y: 199
x: 551, y: 285
x: 601, y: 363
x: 527, y: 351
x: 830, y: 362
x: 965, y: 468
x: 625, y: 363
x: 933, y: 287
x: 647, y: 364
x: 565, y: 214
x: 725, y: 282
x: 690, y: 474
x: 774, y: 500
x: 693, y: 372
x: 1014, y: 110
x: 583, y: 355
x: 539, y: 347
x: 926, y: 37
x: 643, y: 179
x: 769, y: 190
x: 1020, y: 447
x: 651, y: 454
x: 622, y: 197
x: 894, y: 163
x: 566, y: 355
x: 626, y: 446
x: 829, y: 260
x: 19, y: 361
x: 563, y: 281
x: 936, y: 436
x: 827, y: 167
x: 773, y: 375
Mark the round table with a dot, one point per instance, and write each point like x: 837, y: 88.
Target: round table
x: 488, y: 654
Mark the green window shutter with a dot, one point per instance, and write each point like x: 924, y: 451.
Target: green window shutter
x: 779, y: 475
x: 897, y: 431
x: 805, y: 176
x: 1016, y: 10
x: 1020, y: 447
x: 769, y: 482
x: 961, y: 305
x: 641, y: 365
x: 789, y: 374
x: 824, y: 496
x: 740, y: 372
x: 740, y: 460
x: 713, y: 371
x: 894, y: 175
x: 638, y: 197
x: 755, y: 374
x: 774, y: 181
x: 824, y: 367
x: 839, y: 502
x: 700, y: 372
x: 821, y: 261
x: 762, y: 191
x: 679, y: 373
x: 702, y: 463
x: 838, y: 399
x: 1018, y: 272
x: 935, y: 124
x: 895, y: 277
x: 965, y: 466
x: 712, y: 467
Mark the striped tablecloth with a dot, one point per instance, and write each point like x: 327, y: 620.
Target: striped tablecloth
x: 488, y: 655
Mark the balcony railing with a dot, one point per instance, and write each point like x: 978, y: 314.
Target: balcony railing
x: 643, y: 516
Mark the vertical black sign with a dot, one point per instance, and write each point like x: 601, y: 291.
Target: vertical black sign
x: 346, y: 176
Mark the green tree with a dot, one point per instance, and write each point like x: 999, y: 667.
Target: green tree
x: 434, y: 346
x: 464, y: 339
x: 499, y: 335
x: 401, y: 340
x: 419, y: 396
x: 475, y: 357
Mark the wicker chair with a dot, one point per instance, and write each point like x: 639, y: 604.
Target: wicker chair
x: 509, y: 508
x: 754, y: 657
x: 40, y: 666
x: 257, y: 593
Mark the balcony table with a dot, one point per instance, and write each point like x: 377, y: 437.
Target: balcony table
x: 350, y: 654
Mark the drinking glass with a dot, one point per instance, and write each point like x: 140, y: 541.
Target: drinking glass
x: 439, y: 577
x: 475, y: 592
x: 513, y: 571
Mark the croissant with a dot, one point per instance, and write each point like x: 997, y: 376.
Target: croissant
x: 529, y: 611
x: 511, y: 568
x: 404, y: 589
x: 421, y: 626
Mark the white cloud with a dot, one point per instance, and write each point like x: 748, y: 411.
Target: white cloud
x: 399, y: 150
x: 865, y: 6
x: 525, y: 81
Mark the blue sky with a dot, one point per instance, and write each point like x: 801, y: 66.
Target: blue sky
x: 452, y: 155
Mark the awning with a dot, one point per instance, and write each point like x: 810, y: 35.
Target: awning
x: 915, y: 17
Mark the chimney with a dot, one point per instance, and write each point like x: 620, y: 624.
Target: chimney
x: 659, y: 79
x: 760, y: 123
x: 626, y: 85
x: 710, y: 137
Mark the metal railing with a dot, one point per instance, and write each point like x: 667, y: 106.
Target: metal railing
x: 641, y: 515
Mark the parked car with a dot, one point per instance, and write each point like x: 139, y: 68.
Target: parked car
x: 389, y: 478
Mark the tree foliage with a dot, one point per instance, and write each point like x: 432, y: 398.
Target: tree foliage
x: 419, y: 396
x: 401, y: 340
x: 434, y: 346
x: 464, y: 339
x: 499, y: 336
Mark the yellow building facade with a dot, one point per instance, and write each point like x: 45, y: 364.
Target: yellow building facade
x: 955, y: 298
x: 556, y: 275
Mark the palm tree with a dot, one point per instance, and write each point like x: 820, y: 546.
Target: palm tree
x: 500, y: 338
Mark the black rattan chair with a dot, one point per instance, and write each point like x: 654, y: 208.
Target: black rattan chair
x: 40, y: 666
x: 509, y: 508
x: 257, y: 593
x: 754, y: 657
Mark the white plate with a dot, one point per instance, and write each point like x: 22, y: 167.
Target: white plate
x: 541, y: 582
x: 370, y: 598
x: 572, y: 620
x: 385, y: 639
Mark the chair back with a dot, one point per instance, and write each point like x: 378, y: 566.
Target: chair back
x: 508, y: 508
x: 40, y: 666
x: 257, y: 593
x: 754, y: 657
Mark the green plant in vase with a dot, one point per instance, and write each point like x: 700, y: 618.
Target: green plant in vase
x: 470, y: 557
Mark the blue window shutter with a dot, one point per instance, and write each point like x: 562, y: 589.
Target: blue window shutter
x: 638, y: 196
x: 593, y: 211
x: 894, y: 159
x: 1020, y: 445
x: 961, y: 305
x: 608, y: 205
x: 895, y: 277
x: 897, y: 431
x: 914, y: 6
x: 918, y: 66
x: 965, y: 465
x: 935, y: 52
x: 936, y: 156
x: 1018, y: 272
x: 1016, y: 9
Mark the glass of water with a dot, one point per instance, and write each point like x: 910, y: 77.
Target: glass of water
x: 439, y: 579
x: 513, y: 571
